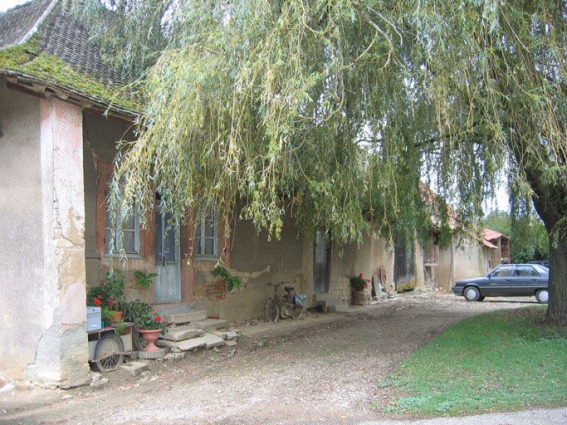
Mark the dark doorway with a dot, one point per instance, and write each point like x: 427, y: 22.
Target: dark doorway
x: 322, y: 262
x: 404, y: 264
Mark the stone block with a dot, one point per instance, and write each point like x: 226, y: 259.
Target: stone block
x: 211, y: 324
x: 185, y: 317
x: 151, y: 355
x: 187, y: 345
x: 212, y: 341
x: 134, y: 368
x: 230, y: 335
x: 230, y: 342
x: 181, y: 333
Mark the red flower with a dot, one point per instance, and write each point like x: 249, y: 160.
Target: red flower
x: 97, y: 301
x: 110, y: 303
x: 360, y: 275
x: 158, y: 319
x: 368, y: 280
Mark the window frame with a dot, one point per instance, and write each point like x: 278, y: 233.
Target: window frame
x: 108, y: 226
x: 201, y: 238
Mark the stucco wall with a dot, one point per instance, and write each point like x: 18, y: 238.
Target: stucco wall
x: 21, y: 237
x: 469, y: 259
x: 256, y: 260
x: 43, y: 316
x: 367, y: 258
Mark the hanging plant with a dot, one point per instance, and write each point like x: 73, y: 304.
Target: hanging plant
x: 230, y: 281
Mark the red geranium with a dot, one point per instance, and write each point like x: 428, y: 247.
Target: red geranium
x: 158, y: 319
x: 97, y: 301
x: 360, y: 275
x: 110, y: 303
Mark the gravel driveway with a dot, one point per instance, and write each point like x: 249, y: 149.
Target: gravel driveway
x: 320, y: 369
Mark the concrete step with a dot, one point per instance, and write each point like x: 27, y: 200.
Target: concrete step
x: 181, y: 333
x: 205, y: 341
x: 184, y: 317
x: 210, y: 324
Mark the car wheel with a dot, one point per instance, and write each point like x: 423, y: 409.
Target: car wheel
x: 471, y: 293
x: 542, y: 296
x: 480, y: 298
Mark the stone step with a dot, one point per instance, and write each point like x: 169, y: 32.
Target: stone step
x: 207, y: 341
x: 209, y: 324
x: 181, y: 333
x: 226, y: 335
x: 185, y: 317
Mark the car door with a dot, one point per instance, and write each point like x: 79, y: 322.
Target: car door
x: 524, y: 281
x: 499, y: 281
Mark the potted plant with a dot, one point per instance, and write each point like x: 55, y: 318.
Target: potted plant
x: 134, y: 310
x: 150, y: 327
x: 108, y: 295
x: 359, y: 284
x: 143, y: 279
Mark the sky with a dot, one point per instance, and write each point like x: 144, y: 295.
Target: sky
x: 8, y: 4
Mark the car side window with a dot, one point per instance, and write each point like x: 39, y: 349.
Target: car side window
x: 525, y: 271
x: 505, y: 271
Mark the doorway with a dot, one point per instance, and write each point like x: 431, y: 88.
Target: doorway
x: 167, y: 286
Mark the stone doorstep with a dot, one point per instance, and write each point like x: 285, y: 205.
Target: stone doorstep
x: 207, y: 341
x: 185, y: 317
x: 209, y: 324
x: 181, y: 333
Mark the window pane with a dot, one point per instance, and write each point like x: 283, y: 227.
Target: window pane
x: 158, y: 236
x: 210, y: 228
x: 129, y: 242
x: 170, y: 245
x: 209, y: 247
x: 503, y: 272
x: 130, y: 224
x: 107, y: 239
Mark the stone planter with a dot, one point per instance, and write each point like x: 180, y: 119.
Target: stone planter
x: 359, y: 297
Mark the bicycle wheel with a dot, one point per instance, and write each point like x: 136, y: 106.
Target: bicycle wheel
x: 296, y: 311
x: 109, y: 352
x: 272, y: 310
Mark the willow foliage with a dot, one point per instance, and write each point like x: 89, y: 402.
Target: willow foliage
x: 335, y: 110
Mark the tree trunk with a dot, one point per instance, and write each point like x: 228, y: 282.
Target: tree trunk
x: 557, y: 308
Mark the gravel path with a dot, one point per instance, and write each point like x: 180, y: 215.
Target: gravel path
x: 321, y: 369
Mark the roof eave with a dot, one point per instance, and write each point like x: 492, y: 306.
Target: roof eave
x: 46, y: 88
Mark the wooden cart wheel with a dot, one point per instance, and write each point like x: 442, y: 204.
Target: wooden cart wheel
x: 109, y: 352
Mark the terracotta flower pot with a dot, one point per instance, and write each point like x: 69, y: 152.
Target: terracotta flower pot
x: 150, y: 336
x: 117, y: 316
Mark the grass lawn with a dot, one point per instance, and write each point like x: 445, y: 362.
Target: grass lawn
x: 499, y: 361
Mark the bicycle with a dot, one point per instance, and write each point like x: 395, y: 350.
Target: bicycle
x: 284, y: 307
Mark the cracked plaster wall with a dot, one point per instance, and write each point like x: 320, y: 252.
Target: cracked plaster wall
x: 43, y: 336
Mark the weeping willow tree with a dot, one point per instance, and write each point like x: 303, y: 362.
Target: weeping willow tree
x: 334, y: 111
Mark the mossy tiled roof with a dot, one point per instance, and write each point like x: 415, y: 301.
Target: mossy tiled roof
x: 42, y: 42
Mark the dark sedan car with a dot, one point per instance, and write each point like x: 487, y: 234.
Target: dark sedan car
x: 507, y: 280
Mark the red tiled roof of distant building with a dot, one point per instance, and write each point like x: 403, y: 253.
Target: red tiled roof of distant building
x: 490, y: 235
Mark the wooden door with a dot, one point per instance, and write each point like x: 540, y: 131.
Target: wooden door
x: 167, y: 286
